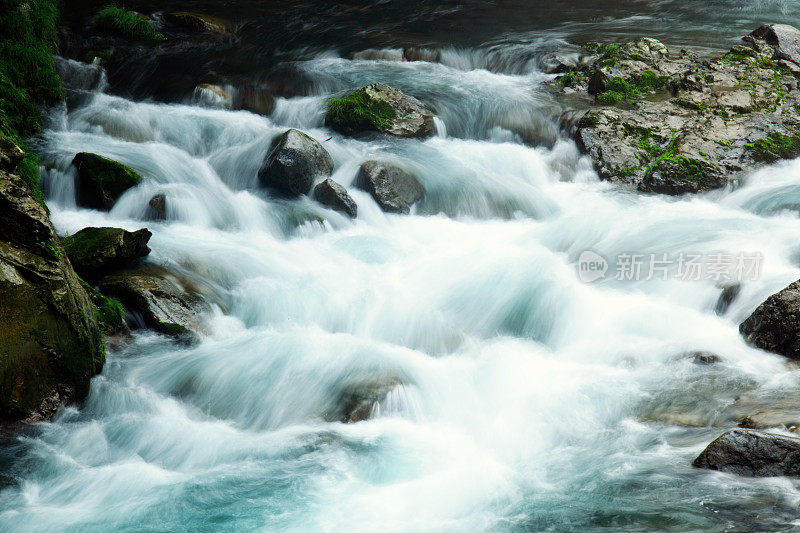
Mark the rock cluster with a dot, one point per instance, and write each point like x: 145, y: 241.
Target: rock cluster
x: 674, y: 123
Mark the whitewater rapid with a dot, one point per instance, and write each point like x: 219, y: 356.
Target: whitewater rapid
x: 529, y: 400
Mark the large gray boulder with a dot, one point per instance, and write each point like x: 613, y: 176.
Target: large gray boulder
x: 97, y: 251
x: 331, y: 194
x: 394, y: 188
x: 293, y: 163
x: 50, y: 343
x: 379, y: 107
x: 775, y: 325
x: 783, y: 38
x: 162, y: 301
x: 751, y: 453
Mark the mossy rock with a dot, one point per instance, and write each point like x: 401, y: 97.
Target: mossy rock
x: 97, y: 251
x: 109, y: 311
x: 379, y: 107
x: 101, y: 181
x: 50, y: 343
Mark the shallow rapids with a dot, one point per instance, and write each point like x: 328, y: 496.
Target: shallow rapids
x: 529, y: 399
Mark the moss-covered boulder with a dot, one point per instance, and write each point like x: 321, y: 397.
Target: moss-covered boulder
x: 101, y: 181
x: 293, y: 163
x: 98, y: 251
x: 50, y: 344
x: 109, y: 311
x: 161, y: 300
x: 379, y: 107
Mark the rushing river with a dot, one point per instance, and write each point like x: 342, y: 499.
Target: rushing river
x: 528, y: 399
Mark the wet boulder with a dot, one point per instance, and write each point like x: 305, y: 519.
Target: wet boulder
x: 50, y: 343
x: 331, y: 194
x: 379, y: 107
x: 775, y: 325
x: 293, y: 163
x: 159, y: 300
x: 97, y: 251
x: 751, y: 453
x: 101, y: 181
x: 394, y: 188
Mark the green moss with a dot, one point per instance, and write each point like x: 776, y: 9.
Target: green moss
x: 129, y: 24
x: 618, y: 90
x: 110, y: 313
x: 88, y: 240
x: 170, y: 328
x: 569, y: 79
x: 775, y: 147
x: 357, y: 111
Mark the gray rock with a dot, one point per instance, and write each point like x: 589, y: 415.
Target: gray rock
x: 394, y: 188
x: 373, y: 54
x: 331, y: 194
x: 98, y: 251
x: 293, y: 163
x: 161, y: 300
x: 752, y: 453
x: 775, y: 325
x: 783, y: 38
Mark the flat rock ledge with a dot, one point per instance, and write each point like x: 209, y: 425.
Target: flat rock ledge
x: 671, y: 122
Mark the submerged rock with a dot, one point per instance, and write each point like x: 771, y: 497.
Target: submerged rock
x: 357, y: 402
x: 101, y: 181
x: 775, y: 325
x: 753, y: 454
x: 97, y: 251
x: 394, y: 188
x: 157, y: 208
x: 160, y: 299
x: 293, y: 162
x: 379, y: 107
x: 254, y: 99
x: 50, y: 344
x: 674, y: 123
x: 331, y: 194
